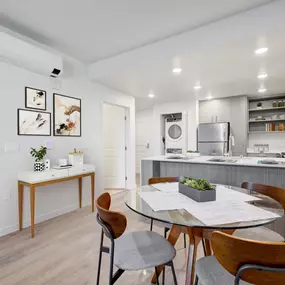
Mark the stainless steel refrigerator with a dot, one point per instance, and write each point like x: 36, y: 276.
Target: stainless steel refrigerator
x: 213, y: 139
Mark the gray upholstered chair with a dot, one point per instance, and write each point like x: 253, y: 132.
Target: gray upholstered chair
x: 264, y: 233
x: 239, y: 261
x: 130, y: 251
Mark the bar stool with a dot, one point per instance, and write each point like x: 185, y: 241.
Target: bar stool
x: 130, y: 251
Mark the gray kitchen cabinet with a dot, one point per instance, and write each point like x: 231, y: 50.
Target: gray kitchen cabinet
x: 238, y: 121
x: 213, y: 111
x: 233, y: 110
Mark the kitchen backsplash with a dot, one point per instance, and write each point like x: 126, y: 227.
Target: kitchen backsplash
x: 276, y: 141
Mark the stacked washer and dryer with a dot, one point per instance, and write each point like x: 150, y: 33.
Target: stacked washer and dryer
x: 176, y: 134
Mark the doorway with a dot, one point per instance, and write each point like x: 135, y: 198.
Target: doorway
x: 114, y: 142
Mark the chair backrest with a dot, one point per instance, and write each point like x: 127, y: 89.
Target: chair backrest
x: 116, y: 221
x: 233, y: 252
x: 155, y: 180
x: 275, y: 193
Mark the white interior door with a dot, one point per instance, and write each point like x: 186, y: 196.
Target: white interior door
x: 114, y: 132
x: 143, y: 137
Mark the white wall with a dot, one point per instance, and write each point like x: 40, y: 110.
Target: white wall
x: 144, y: 136
x: 59, y: 198
x: 151, y: 130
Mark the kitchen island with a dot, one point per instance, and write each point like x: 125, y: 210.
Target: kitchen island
x: 229, y: 171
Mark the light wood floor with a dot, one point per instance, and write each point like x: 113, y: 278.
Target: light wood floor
x: 65, y: 252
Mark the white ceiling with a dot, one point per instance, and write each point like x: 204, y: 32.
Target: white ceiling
x: 132, y: 43
x: 220, y: 55
x: 94, y: 29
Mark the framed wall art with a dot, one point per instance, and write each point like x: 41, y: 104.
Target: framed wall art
x: 34, y: 123
x: 35, y: 98
x: 67, y: 116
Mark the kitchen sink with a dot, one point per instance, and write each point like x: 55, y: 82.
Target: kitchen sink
x: 222, y: 160
x: 217, y: 160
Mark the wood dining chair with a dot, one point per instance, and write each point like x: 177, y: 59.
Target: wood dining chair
x: 263, y: 233
x: 130, y: 251
x: 166, y: 226
x: 241, y: 261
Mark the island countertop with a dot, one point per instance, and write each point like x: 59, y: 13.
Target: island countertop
x: 234, y: 160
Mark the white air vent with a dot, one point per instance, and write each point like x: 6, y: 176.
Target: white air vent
x: 28, y: 56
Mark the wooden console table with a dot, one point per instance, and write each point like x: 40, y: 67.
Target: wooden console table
x: 36, y: 179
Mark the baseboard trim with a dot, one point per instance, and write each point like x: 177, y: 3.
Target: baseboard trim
x: 38, y: 219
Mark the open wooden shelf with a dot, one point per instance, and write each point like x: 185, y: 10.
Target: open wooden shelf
x: 266, y: 109
x: 266, y: 132
x: 266, y: 121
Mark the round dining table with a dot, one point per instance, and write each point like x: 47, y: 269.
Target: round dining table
x: 184, y: 222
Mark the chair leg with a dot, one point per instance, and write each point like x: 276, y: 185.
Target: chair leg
x: 163, y: 276
x: 173, y: 273
x: 157, y: 276
x: 196, y: 280
x: 204, y: 247
x: 165, y: 232
x: 151, y: 225
x: 185, y: 242
x: 111, y: 263
x: 100, y: 258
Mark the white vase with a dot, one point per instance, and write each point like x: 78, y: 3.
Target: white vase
x: 39, y: 166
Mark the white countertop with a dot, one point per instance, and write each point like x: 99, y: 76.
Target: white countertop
x: 245, y: 161
x: 30, y: 176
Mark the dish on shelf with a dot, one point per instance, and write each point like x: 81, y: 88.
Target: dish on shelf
x: 260, y: 118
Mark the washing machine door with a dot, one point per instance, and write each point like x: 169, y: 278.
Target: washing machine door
x: 174, y: 132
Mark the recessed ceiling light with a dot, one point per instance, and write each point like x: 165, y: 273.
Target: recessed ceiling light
x: 261, y: 50
x: 151, y: 95
x: 262, y: 90
x: 177, y: 70
x: 197, y: 86
x: 262, y: 75
x: 209, y: 97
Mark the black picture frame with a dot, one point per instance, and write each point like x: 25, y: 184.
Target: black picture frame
x: 54, y: 115
x: 26, y: 98
x: 30, y: 134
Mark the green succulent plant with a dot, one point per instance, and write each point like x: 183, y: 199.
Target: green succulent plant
x: 38, y: 154
x: 199, y: 184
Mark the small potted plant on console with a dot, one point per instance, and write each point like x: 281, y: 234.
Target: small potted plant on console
x: 199, y: 190
x: 39, y: 155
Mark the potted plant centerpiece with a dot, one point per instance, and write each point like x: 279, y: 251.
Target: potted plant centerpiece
x: 39, y: 155
x: 199, y: 190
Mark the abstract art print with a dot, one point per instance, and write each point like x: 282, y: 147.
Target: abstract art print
x: 35, y: 98
x: 33, y: 123
x: 67, y: 116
